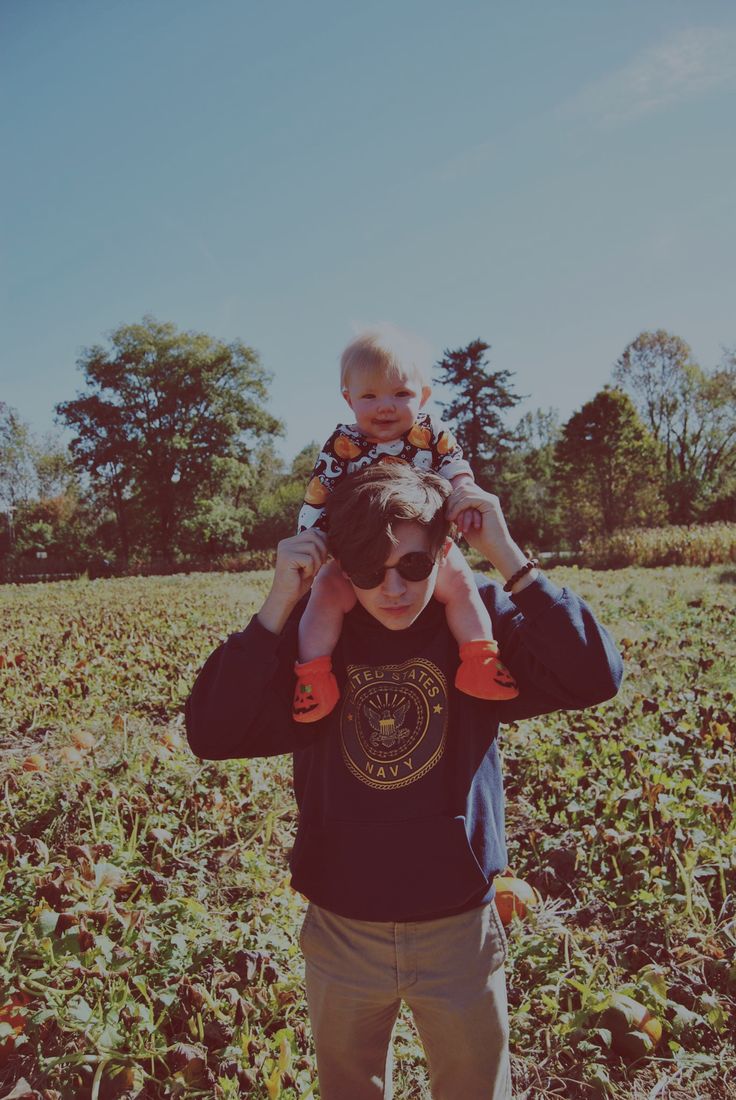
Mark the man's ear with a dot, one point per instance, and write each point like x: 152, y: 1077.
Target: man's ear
x: 446, y: 546
x: 426, y: 394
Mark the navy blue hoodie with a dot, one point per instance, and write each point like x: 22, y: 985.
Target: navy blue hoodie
x: 399, y: 789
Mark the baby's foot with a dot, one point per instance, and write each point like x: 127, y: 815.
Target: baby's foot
x: 482, y: 674
x: 316, y: 690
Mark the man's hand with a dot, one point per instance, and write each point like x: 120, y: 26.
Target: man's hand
x: 298, y: 560
x: 491, y: 538
x: 492, y: 531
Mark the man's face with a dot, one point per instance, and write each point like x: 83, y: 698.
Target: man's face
x: 396, y: 602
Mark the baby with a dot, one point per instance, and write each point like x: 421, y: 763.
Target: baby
x: 386, y: 395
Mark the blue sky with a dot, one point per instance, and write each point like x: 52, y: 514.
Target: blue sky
x: 552, y: 177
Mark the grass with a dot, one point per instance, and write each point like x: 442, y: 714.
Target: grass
x: 147, y: 929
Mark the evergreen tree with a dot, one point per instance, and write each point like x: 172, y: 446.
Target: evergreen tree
x: 477, y: 408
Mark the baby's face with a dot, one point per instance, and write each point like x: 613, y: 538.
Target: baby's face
x: 385, y: 405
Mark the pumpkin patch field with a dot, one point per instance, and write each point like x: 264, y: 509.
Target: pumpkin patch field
x: 148, y: 932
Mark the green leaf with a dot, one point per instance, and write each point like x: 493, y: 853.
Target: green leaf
x: 598, y: 1077
x: 78, y: 1009
x: 683, y: 1019
x: 653, y: 977
x: 46, y: 923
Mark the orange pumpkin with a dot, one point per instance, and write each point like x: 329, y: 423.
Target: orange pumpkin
x: 446, y: 443
x: 316, y: 493
x: 305, y: 700
x: 634, y: 1031
x: 35, y: 763
x: 346, y: 448
x: 420, y: 437
x: 514, y: 895
x: 171, y: 740
x: 82, y: 739
x: 14, y: 1020
x: 72, y: 756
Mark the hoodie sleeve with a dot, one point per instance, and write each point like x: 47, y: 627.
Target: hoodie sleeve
x: 554, y: 647
x: 240, y: 705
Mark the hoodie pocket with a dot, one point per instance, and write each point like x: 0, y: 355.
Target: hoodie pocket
x: 388, y: 871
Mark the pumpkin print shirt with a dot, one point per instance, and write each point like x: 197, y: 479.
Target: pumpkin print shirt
x: 428, y: 445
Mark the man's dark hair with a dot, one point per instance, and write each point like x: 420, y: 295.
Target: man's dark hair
x: 363, y: 508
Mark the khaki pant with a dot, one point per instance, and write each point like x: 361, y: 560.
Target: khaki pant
x: 449, y: 972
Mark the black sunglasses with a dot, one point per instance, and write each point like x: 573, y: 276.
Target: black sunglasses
x: 412, y: 567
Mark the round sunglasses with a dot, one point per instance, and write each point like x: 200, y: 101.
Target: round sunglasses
x: 415, y: 566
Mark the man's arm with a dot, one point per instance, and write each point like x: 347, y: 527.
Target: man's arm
x: 240, y: 704
x: 558, y: 653
x: 554, y: 647
x: 491, y: 538
x: 298, y: 560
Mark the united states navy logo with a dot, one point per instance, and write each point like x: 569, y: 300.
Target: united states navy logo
x: 393, y: 722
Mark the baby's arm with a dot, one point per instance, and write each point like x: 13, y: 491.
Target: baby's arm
x: 449, y: 461
x: 329, y: 468
x: 469, y: 517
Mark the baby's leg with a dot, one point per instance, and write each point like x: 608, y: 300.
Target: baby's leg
x: 467, y: 615
x: 331, y: 598
x: 316, y: 691
x: 481, y: 673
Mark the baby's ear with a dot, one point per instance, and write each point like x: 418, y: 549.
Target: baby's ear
x: 346, y: 395
x: 426, y: 394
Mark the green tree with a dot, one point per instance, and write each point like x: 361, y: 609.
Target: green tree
x: 168, y: 417
x: 281, y: 499
x: 716, y: 447
x: 608, y: 468
x: 17, y: 476
x: 46, y: 507
x: 303, y: 464
x: 55, y: 472
x: 526, y: 481
x: 691, y: 412
x: 277, y: 515
x: 476, y: 411
x: 63, y: 525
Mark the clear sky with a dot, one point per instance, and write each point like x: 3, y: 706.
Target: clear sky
x: 550, y: 177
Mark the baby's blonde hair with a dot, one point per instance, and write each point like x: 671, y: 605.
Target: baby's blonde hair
x: 393, y: 355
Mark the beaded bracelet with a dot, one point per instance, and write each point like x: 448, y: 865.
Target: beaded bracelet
x: 526, y: 568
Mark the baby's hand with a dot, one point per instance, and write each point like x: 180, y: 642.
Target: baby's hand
x: 468, y: 520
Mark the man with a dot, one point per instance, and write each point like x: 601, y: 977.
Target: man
x: 400, y: 795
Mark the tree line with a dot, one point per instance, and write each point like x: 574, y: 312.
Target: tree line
x: 172, y: 454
